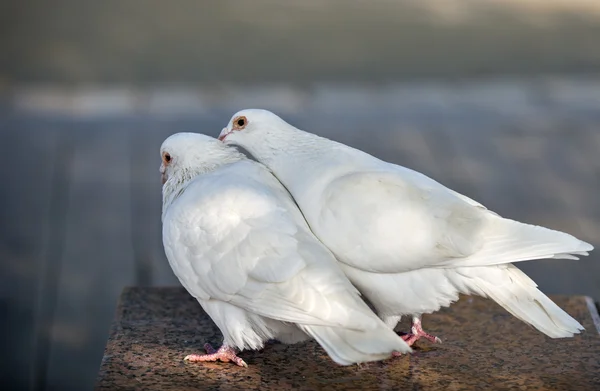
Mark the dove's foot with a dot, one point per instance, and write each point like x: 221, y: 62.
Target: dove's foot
x: 224, y: 354
x: 417, y: 333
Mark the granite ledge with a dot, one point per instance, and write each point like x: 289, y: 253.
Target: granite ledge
x: 484, y: 348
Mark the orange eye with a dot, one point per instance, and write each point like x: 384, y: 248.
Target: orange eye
x: 240, y: 123
x: 167, y: 158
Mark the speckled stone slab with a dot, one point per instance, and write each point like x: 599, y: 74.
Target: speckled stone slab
x: 484, y: 348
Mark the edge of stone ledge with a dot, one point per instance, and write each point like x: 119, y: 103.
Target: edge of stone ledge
x: 118, y: 315
x: 591, y: 304
x: 112, y: 332
x: 119, y: 307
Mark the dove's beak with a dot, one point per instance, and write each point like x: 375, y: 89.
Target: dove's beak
x: 163, y: 174
x: 224, y: 133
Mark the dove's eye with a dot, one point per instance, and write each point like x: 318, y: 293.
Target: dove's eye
x: 240, y: 123
x: 167, y: 158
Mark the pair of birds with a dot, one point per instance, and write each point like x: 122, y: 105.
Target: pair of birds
x: 264, y: 265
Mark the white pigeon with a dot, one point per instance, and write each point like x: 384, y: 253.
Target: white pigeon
x: 238, y: 243
x: 408, y: 243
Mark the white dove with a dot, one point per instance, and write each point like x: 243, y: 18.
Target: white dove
x: 408, y: 243
x: 238, y: 243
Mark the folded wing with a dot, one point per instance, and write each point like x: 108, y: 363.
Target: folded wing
x: 402, y: 220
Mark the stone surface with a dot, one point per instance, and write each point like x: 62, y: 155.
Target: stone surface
x: 484, y: 348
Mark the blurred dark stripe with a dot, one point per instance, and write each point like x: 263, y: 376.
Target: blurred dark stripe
x: 51, y: 266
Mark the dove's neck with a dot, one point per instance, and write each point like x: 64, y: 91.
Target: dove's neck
x: 179, y: 180
x: 304, y: 162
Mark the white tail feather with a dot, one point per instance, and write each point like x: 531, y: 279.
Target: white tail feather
x: 508, y: 241
x: 518, y: 294
x: 347, y: 347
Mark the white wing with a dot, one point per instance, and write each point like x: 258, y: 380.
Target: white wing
x: 231, y: 238
x: 401, y: 220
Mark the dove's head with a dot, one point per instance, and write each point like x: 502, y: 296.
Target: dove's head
x: 252, y: 125
x: 185, y: 155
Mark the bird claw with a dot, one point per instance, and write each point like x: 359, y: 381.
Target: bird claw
x: 417, y: 333
x: 224, y: 354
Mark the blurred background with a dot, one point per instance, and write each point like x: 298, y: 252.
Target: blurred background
x: 499, y: 100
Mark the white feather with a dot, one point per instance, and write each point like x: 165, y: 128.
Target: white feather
x: 518, y: 294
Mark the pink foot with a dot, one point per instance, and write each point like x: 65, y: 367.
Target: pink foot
x: 417, y: 333
x: 225, y: 354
